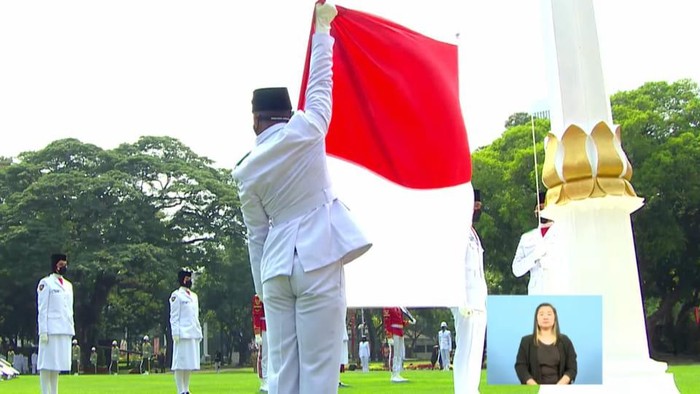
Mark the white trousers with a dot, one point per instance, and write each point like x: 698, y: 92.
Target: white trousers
x: 471, y: 332
x: 398, y: 353
x: 364, y: 360
x: 445, y: 355
x: 302, y: 312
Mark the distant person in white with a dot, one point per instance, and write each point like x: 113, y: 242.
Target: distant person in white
x: 364, y: 354
x: 55, y: 321
x: 186, y: 331
x: 35, y: 358
x: 445, y: 342
x: 470, y: 317
x: 539, y: 254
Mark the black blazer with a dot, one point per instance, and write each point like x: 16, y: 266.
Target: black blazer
x: 527, y: 365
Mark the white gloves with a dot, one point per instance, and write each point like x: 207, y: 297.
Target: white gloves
x: 176, y: 339
x: 390, y: 341
x: 258, y: 340
x: 44, y: 338
x: 324, y: 16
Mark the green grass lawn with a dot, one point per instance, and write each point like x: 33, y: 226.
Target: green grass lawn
x: 245, y: 381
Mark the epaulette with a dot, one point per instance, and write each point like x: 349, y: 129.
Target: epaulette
x: 243, y: 158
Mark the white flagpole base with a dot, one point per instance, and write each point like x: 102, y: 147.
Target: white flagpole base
x: 598, y: 243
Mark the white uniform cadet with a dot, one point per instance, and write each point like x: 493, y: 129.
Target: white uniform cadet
x: 299, y: 234
x: 186, y: 331
x: 541, y: 257
x: 470, y: 318
x: 445, y: 343
x: 56, y: 326
x: 364, y: 354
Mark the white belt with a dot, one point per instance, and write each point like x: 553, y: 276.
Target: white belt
x: 302, y: 207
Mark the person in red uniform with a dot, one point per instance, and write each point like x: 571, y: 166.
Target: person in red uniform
x: 259, y: 328
x: 395, y: 319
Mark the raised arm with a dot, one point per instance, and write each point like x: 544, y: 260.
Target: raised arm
x: 319, y: 89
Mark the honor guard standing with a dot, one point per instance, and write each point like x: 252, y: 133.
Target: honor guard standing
x: 93, y: 358
x: 470, y: 317
x: 344, y: 353
x: 11, y: 357
x: 217, y: 361
x: 34, y: 360
x: 445, y: 342
x: 539, y: 254
x: 186, y: 331
x: 55, y: 321
x: 114, y: 358
x: 75, y: 352
x: 260, y: 330
x: 299, y: 234
x: 395, y: 320
x: 146, y: 354
x: 363, y: 352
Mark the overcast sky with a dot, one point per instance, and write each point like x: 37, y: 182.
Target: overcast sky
x: 107, y: 72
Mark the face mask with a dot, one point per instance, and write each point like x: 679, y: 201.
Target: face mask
x: 476, y: 215
x: 62, y: 271
x: 187, y: 284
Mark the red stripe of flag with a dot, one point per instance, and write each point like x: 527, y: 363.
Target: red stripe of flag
x: 396, y: 107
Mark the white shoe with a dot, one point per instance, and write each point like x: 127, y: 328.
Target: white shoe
x: 264, y: 387
x: 398, y: 379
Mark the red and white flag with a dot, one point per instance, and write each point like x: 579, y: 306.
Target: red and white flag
x: 399, y: 158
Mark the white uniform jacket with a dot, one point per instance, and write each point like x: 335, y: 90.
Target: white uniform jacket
x: 285, y: 191
x: 184, y: 314
x: 55, y: 306
x: 445, y: 339
x: 364, y: 349
x: 475, y: 279
x: 542, y: 258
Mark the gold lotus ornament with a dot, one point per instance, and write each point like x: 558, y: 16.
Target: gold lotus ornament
x: 584, y: 165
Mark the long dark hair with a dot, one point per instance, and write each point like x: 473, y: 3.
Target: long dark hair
x: 536, y: 329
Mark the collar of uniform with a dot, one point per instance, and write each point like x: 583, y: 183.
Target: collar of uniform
x: 268, y: 132
x: 58, y: 278
x: 185, y: 290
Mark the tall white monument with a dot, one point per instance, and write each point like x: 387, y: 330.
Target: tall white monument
x: 590, y: 198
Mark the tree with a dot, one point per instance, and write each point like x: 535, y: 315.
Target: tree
x: 661, y: 133
x: 517, y: 119
x: 230, y: 280
x: 128, y: 219
x: 504, y: 172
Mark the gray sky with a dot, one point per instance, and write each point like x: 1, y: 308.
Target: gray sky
x: 106, y: 72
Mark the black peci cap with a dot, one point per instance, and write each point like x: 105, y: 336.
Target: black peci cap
x: 271, y: 99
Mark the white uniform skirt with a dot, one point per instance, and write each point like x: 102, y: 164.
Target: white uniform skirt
x: 55, y: 355
x: 186, y: 355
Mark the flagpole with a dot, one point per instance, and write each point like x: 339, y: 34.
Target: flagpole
x: 534, y: 156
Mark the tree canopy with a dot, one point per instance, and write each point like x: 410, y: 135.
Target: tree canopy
x: 128, y: 218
